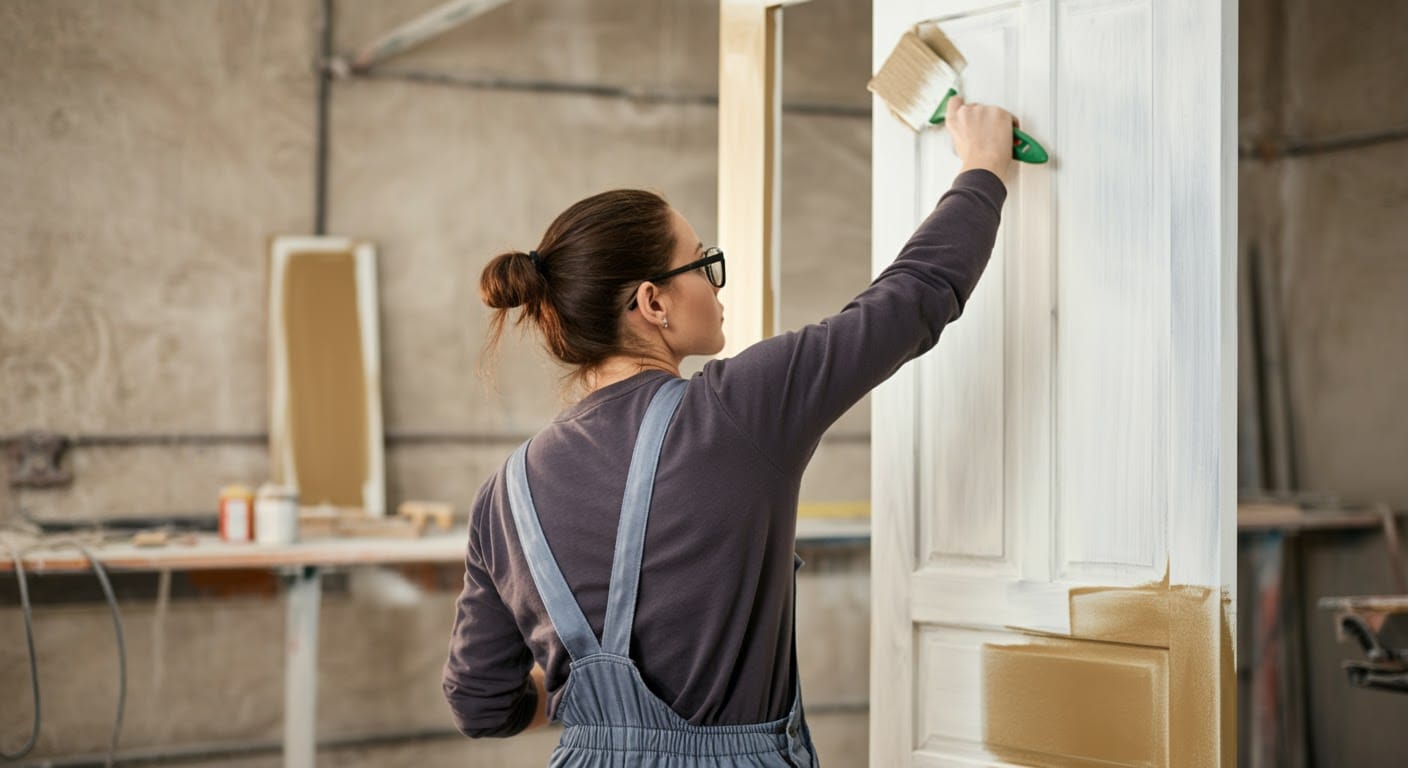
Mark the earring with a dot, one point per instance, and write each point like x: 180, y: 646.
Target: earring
x: 665, y: 321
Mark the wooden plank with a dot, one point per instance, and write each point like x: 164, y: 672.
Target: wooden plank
x: 1376, y: 603
x: 750, y: 137
x: 325, y: 421
x: 210, y: 553
x: 819, y: 530
x: 833, y: 509
x: 1288, y: 517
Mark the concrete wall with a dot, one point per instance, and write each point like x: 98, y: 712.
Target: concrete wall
x: 1323, y: 200
x: 1323, y: 203
x: 150, y: 148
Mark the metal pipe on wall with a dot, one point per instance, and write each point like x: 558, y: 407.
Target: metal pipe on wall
x: 597, y: 90
x: 320, y: 172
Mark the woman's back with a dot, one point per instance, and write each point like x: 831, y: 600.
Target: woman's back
x: 713, y: 616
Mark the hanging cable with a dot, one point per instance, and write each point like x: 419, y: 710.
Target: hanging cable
x: 121, y: 646
x: 33, y: 661
x: 17, y: 557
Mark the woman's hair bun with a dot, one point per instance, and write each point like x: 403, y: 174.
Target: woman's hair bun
x: 594, y: 256
x: 511, y: 280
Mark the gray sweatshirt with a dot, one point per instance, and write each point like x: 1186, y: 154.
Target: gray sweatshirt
x: 713, y: 623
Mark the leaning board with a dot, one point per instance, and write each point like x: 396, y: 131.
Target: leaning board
x: 325, y: 427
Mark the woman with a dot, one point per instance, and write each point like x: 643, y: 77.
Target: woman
x: 672, y: 643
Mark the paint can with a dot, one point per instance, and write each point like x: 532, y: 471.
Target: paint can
x: 276, y: 514
x: 236, y: 513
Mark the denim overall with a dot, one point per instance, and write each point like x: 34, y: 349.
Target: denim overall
x: 611, y: 718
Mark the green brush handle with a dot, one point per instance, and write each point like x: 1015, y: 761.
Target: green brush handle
x: 1024, y: 148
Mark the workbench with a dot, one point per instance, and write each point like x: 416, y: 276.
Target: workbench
x: 301, y: 566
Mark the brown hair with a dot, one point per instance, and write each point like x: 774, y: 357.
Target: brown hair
x: 593, y: 256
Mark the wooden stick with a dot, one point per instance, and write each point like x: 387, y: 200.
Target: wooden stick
x: 750, y: 137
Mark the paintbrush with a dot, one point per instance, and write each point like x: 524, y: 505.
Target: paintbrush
x: 925, y: 69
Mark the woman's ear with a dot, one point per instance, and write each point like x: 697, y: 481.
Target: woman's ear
x: 654, y: 304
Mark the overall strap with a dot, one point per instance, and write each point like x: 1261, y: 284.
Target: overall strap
x: 566, y: 615
x: 635, y: 508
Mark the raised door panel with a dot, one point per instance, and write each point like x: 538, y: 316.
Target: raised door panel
x: 1112, y: 293
x: 968, y: 518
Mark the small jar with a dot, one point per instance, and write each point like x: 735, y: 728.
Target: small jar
x: 236, y: 513
x: 276, y: 514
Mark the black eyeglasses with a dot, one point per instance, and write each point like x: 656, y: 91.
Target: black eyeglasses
x: 712, y: 263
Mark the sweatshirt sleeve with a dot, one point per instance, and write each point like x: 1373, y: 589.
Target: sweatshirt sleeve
x: 487, y: 677
x: 785, y: 391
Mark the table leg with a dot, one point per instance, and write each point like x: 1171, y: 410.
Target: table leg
x: 304, y: 587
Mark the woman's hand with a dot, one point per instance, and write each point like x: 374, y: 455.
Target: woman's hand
x: 982, y: 135
x: 540, y: 719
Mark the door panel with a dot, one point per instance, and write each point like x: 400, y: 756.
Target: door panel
x: 964, y: 419
x: 949, y: 667
x: 1073, y: 701
x: 1053, y: 483
x: 1112, y: 295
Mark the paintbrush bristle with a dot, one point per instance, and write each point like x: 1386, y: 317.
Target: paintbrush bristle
x: 939, y: 43
x: 912, y: 81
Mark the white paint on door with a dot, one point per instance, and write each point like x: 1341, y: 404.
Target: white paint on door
x: 1072, y: 432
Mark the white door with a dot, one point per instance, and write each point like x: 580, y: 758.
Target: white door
x: 1054, y: 484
